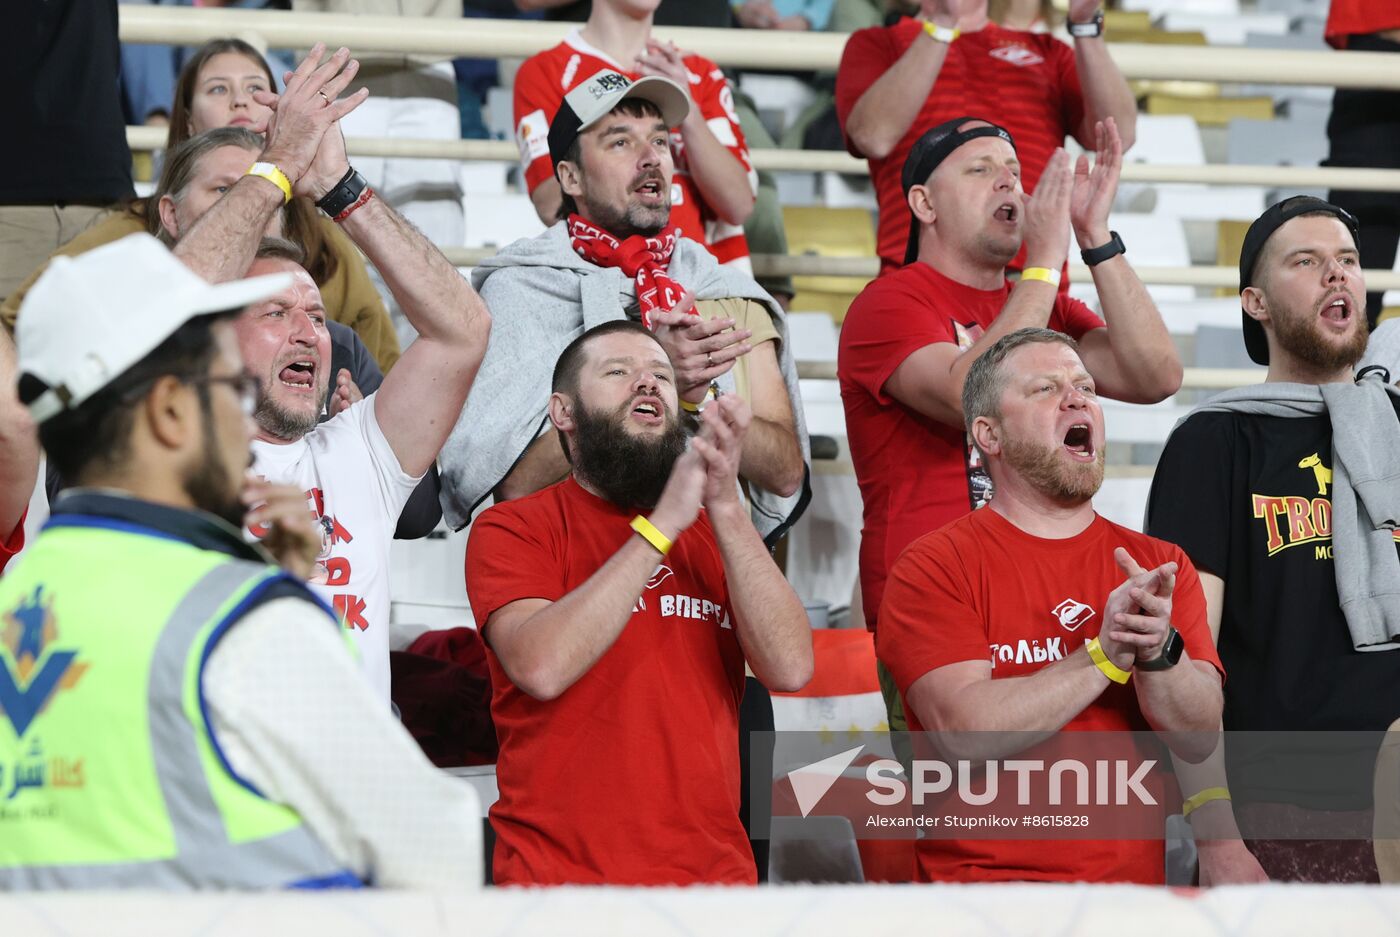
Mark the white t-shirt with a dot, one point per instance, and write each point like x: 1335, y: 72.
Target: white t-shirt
x: 355, y: 488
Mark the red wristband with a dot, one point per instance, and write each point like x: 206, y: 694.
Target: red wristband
x: 350, y: 209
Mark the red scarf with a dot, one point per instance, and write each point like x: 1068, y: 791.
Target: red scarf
x: 642, y: 258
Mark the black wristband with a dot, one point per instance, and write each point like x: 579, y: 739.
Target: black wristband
x: 1097, y: 255
x: 346, y: 191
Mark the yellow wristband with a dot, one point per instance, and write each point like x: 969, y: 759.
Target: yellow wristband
x: 689, y: 407
x: 941, y: 33
x: 1201, y: 798
x: 1110, y: 670
x: 651, y: 535
x: 1041, y: 273
x: 274, y: 175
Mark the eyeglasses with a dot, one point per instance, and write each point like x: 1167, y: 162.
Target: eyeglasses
x: 247, y: 387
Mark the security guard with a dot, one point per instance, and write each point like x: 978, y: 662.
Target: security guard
x: 179, y: 711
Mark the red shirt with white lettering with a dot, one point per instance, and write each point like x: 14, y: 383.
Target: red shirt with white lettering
x: 1347, y: 18
x: 915, y: 473
x: 631, y: 775
x: 1026, y: 82
x: 982, y: 588
x: 545, y: 78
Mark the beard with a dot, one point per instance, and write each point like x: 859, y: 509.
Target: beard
x: 283, y: 422
x: 1042, y: 467
x: 631, y: 218
x: 208, y: 484
x: 1300, y: 335
x: 628, y: 470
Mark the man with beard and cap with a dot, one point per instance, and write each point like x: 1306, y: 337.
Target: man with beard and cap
x: 619, y: 608
x: 1284, y: 495
x: 1037, y: 615
x: 617, y: 255
x: 180, y: 712
x: 357, y: 469
x: 911, y: 336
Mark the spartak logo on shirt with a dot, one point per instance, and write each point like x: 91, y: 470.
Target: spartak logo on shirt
x: 1072, y: 613
x: 676, y: 605
x: 1019, y: 56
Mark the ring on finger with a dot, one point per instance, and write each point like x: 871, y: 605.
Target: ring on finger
x: 323, y: 97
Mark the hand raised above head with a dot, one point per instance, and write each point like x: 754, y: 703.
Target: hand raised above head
x: 1047, y: 222
x: 304, y: 112
x: 1095, y: 188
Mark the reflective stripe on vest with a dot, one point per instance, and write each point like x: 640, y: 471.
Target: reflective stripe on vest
x: 205, y: 853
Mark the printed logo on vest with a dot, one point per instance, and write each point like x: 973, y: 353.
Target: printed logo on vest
x: 1019, y: 56
x: 1071, y: 614
x: 32, y: 670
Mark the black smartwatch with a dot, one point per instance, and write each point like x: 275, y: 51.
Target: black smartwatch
x: 1171, y: 653
x: 1097, y: 255
x: 346, y: 192
x: 1090, y: 30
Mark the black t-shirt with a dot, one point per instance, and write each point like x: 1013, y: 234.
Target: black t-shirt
x: 1249, y: 500
x: 60, y: 104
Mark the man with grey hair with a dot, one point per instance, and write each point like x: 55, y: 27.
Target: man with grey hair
x: 1052, y: 647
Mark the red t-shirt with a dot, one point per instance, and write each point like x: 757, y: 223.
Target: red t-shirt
x: 13, y: 543
x: 630, y: 776
x: 1003, y: 594
x: 915, y: 473
x: 544, y: 79
x: 1358, y: 18
x: 1026, y: 82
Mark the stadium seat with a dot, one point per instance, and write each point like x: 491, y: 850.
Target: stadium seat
x: 498, y: 220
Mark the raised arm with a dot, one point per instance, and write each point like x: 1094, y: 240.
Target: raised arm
x: 885, y: 112
x: 421, y: 398
x: 545, y: 647
x: 1106, y: 91
x: 930, y: 380
x: 1134, y: 358
x: 723, y: 180
x: 221, y: 244
x: 769, y: 618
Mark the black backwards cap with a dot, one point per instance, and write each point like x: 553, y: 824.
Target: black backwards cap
x: 1263, y: 228
x: 933, y: 148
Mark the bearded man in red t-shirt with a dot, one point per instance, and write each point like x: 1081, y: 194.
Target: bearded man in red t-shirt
x: 895, y: 82
x: 1038, y: 615
x: 619, y: 607
x: 909, y: 338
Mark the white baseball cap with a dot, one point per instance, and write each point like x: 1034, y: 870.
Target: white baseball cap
x: 595, y: 99
x: 92, y: 317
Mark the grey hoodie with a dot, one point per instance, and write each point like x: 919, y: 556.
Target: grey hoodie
x: 542, y: 296
x: 1365, y: 491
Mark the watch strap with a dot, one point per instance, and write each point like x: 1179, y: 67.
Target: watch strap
x: 1171, y: 653
x: 1097, y: 255
x: 1090, y: 30
x: 346, y: 193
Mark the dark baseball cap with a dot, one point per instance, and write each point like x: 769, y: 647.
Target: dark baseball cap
x: 1263, y: 228
x: 596, y: 98
x: 933, y: 148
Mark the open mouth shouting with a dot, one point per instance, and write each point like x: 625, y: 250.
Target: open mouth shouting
x: 1008, y: 212
x: 649, y: 411
x: 1337, y: 311
x: 652, y: 190
x: 299, y: 374
x: 1079, y: 442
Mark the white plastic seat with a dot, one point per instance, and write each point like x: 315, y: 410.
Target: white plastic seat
x: 498, y: 220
